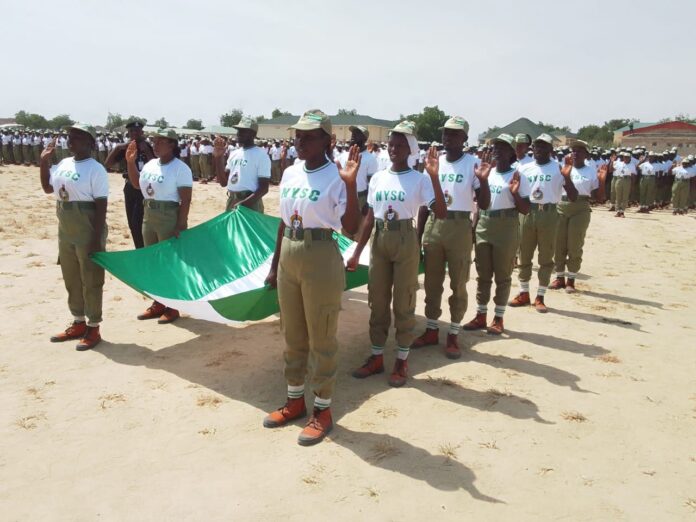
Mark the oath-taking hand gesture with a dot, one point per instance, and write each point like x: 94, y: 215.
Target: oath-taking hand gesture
x: 132, y: 152
x: 47, y: 153
x: 567, y: 166
x: 432, y: 162
x: 349, y: 173
x: 219, y: 147
x: 515, y: 183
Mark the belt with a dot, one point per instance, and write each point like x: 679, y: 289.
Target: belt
x: 83, y: 205
x: 503, y: 212
x: 458, y: 214
x: 151, y: 203
x: 398, y: 224
x: 317, y: 234
x: 580, y: 198
x: 362, y: 193
x: 242, y: 194
x: 543, y: 207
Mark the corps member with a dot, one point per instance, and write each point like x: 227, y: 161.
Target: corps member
x: 81, y: 187
x: 447, y: 242
x: 497, y: 233
x: 395, y: 197
x: 248, y: 170
x: 680, y: 188
x: 522, y: 144
x: 316, y: 199
x: 574, y: 216
x: 647, y: 183
x: 166, y: 184
x: 538, y: 228
x: 623, y: 172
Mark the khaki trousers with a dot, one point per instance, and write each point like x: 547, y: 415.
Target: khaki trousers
x: 233, y: 197
x: 647, y: 191
x: 206, y: 167
x: 623, y: 189
x: 573, y: 221
x: 497, y: 240
x: 538, y: 231
x: 447, y: 244
x: 311, y: 280
x: 680, y: 194
x: 612, y: 197
x: 159, y: 223
x: 275, y: 171
x: 394, y: 259
x: 7, y: 154
x: 196, y: 166
x: 84, y: 279
x: 26, y: 153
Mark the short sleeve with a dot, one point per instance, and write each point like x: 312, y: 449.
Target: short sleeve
x: 474, y: 165
x: 371, y: 193
x: 184, y: 177
x: 51, y: 173
x: 100, y: 183
x: 525, y: 190
x: 264, y: 166
x: 341, y: 200
x: 427, y: 194
x: 228, y: 165
x: 371, y: 164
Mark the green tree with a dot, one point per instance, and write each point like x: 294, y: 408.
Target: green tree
x: 260, y: 119
x: 60, y: 121
x: 551, y: 129
x: 277, y: 112
x: 114, y: 121
x: 231, y: 118
x: 162, y: 123
x: 31, y: 120
x: 132, y: 118
x: 428, y: 123
x: 194, y: 124
x: 347, y: 112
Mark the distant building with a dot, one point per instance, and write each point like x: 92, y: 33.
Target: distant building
x: 658, y: 136
x: 277, y: 128
x: 527, y: 126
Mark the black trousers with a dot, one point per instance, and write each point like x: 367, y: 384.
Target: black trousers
x: 134, y: 213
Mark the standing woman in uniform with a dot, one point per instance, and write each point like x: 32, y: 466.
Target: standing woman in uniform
x: 497, y: 233
x: 316, y: 198
x: 81, y: 187
x: 574, y: 216
x: 166, y: 184
x: 394, y: 197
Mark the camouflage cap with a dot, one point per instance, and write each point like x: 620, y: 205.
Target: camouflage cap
x: 360, y: 128
x: 456, y: 123
x: 504, y: 138
x: 581, y: 144
x: 405, y: 127
x: 247, y: 123
x: 314, y: 119
x: 169, y: 134
x: 83, y: 127
x: 523, y: 138
x: 546, y: 138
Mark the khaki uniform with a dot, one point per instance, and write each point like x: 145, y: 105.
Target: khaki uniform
x: 7, y: 154
x: 36, y: 153
x: 394, y: 259
x: 275, y: 171
x: 196, y: 166
x: 538, y: 230
x: 680, y: 194
x: 612, y: 193
x: 27, y: 153
x: 647, y: 191
x: 18, y: 151
x: 573, y: 221
x: 310, y: 300
x: 234, y: 197
x: 497, y: 239
x: 159, y: 220
x: 623, y: 189
x: 447, y: 241
x: 206, y: 167
x: 84, y: 279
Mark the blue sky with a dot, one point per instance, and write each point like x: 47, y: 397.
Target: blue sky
x: 491, y: 62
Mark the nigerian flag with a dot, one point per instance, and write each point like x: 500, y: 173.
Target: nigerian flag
x: 216, y: 270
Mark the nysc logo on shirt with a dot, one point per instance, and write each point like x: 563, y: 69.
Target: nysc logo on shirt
x: 239, y: 162
x: 300, y: 193
x: 537, y: 177
x: 153, y: 177
x: 496, y: 189
x: 390, y: 195
x: 67, y: 174
x: 451, y: 177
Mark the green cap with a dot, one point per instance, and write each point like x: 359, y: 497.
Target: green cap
x: 164, y: 133
x: 504, y: 138
x: 523, y: 138
x: 247, y: 123
x: 456, y: 123
x: 360, y: 128
x: 83, y: 127
x: 580, y: 143
x: 314, y: 119
x: 405, y: 127
x: 546, y: 138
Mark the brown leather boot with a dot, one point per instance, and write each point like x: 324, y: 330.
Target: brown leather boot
x: 168, y: 316
x: 373, y: 366
x: 319, y: 425
x: 74, y: 331
x: 558, y: 283
x: 521, y: 299
x: 293, y: 409
x: 399, y: 373
x: 452, y: 350
x: 496, y: 326
x: 539, y: 305
x: 154, y: 311
x: 570, y: 286
x: 90, y: 339
x: 430, y: 337
x: 477, y: 323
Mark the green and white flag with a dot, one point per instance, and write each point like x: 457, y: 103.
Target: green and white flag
x: 216, y: 270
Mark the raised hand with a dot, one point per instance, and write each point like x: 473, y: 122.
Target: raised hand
x: 132, y: 152
x: 515, y: 183
x: 219, y: 147
x: 483, y: 169
x: 432, y: 162
x: 349, y: 173
x: 602, y: 173
x: 567, y: 166
x: 47, y: 153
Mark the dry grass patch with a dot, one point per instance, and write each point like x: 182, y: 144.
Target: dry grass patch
x: 111, y: 399
x: 608, y: 358
x: 489, y: 445
x: 383, y: 450
x: 574, y: 416
x: 448, y: 451
x: 211, y: 401
x: 206, y: 432
x: 440, y: 381
x: 690, y: 502
x: 30, y: 422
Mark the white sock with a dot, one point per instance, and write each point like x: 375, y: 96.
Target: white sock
x: 79, y: 318
x: 481, y: 309
x: 524, y: 286
x: 431, y: 324
x: 560, y: 274
x: 322, y: 404
x: 402, y: 353
x: 296, y: 392
x: 454, y: 328
x: 499, y: 311
x: 92, y: 325
x: 571, y: 275
x: 541, y: 291
x: 377, y: 350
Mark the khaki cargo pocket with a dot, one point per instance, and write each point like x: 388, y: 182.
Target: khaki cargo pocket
x: 329, y: 320
x: 413, y: 293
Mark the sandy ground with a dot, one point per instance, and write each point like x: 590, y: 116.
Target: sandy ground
x: 587, y: 413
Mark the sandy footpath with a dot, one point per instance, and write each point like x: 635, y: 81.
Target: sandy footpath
x: 586, y: 413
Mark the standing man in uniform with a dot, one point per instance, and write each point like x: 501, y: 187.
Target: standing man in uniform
x: 133, y: 196
x: 538, y: 228
x: 522, y: 144
x: 447, y: 243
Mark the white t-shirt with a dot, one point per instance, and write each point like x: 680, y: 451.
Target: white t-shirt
x: 292, y: 152
x: 585, y: 180
x: 193, y: 150
x: 84, y: 180
x: 6, y: 139
x: 545, y: 182
x: 681, y: 173
x: 647, y: 169
x: 26, y: 140
x: 101, y: 146
x: 63, y: 143
x: 621, y: 169
x: 206, y: 149
x: 312, y: 199
x: 523, y: 161
x: 245, y: 167
x: 399, y: 195
x: 383, y: 160
x: 368, y: 167
x: 162, y: 182
x: 499, y: 183
x: 459, y: 182
x: 183, y: 151
x: 275, y: 153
